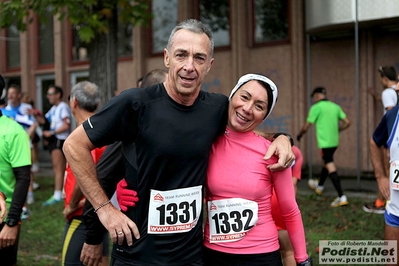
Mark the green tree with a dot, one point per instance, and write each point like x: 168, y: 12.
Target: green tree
x: 97, y: 24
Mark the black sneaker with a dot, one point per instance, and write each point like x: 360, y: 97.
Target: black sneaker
x: 371, y: 208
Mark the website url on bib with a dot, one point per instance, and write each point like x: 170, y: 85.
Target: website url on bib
x: 171, y: 228
x: 228, y: 237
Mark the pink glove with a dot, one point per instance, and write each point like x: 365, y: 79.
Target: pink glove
x: 125, y: 197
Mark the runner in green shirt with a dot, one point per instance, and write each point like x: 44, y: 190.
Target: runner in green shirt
x: 329, y: 120
x: 15, y: 162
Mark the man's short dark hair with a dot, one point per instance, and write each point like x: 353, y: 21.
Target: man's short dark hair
x: 321, y: 90
x: 57, y: 89
x: 15, y: 86
x: 388, y: 71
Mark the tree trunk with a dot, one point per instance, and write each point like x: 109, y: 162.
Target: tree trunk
x: 104, y: 72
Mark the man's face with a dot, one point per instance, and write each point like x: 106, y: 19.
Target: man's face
x: 52, y: 95
x: 384, y: 82
x: 188, y: 60
x: 13, y: 96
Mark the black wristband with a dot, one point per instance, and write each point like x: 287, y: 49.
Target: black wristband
x: 308, y: 262
x: 285, y: 134
x: 12, y: 222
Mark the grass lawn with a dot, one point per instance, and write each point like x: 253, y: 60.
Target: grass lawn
x: 41, y: 234
x: 40, y: 240
x: 344, y: 223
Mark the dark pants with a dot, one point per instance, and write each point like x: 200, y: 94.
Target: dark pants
x: 216, y: 258
x: 116, y: 262
x: 54, y: 143
x: 73, y: 239
x: 328, y: 154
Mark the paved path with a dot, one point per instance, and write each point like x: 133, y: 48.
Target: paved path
x: 365, y: 188
x: 45, y: 163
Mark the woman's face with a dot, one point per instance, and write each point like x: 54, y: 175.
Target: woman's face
x: 247, y: 107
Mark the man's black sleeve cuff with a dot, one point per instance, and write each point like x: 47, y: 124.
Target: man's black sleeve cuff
x: 285, y: 134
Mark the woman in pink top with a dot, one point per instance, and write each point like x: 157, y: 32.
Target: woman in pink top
x: 239, y: 228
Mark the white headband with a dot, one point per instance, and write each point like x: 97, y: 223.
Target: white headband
x: 248, y: 77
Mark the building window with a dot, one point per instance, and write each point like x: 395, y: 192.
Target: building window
x: 46, y: 41
x: 125, y: 39
x: 215, y: 14
x: 270, y: 21
x: 13, y: 47
x: 79, y: 48
x: 163, y: 21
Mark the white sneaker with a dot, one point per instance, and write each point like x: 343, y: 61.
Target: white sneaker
x: 35, y: 168
x: 340, y: 201
x: 35, y: 185
x: 314, y: 184
x: 30, y: 199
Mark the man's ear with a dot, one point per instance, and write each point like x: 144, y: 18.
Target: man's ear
x: 209, y: 66
x: 166, y: 57
x: 74, y: 102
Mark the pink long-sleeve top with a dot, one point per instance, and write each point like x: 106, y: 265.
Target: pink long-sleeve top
x: 237, y: 170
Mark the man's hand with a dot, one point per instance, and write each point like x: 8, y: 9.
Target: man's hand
x: 298, y: 137
x: 8, y: 235
x: 281, y: 147
x: 118, y: 225
x: 70, y: 209
x: 383, y: 186
x: 91, y: 255
x: 47, y: 133
x: 125, y: 196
